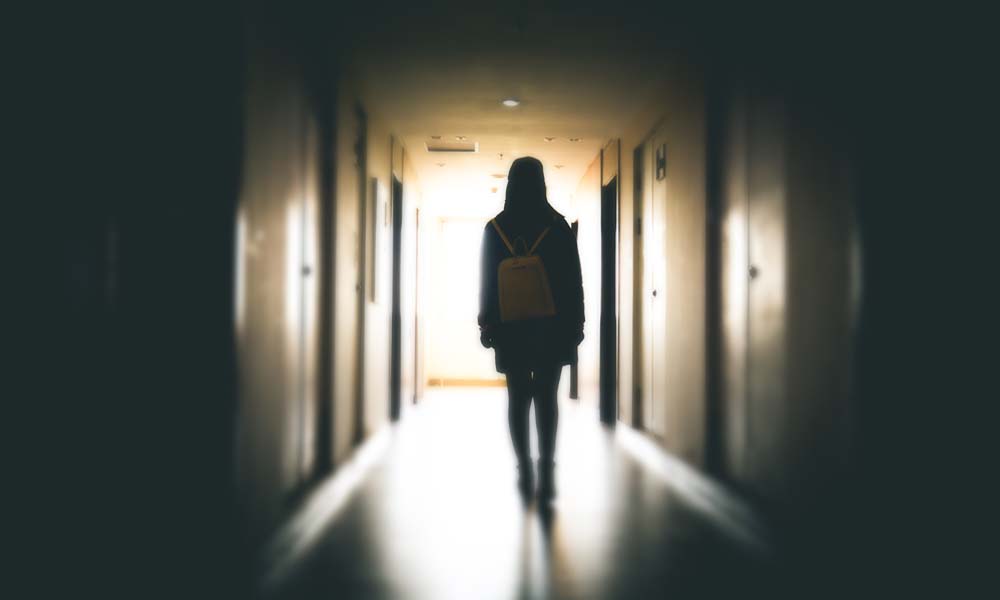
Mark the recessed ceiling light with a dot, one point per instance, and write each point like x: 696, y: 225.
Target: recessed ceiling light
x: 510, y: 102
x: 435, y: 137
x: 548, y: 139
x: 460, y: 138
x: 560, y: 166
x: 574, y: 139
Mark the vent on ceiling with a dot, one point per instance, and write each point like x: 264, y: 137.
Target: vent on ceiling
x: 448, y: 146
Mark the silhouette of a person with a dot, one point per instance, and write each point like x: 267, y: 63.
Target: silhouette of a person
x: 532, y: 352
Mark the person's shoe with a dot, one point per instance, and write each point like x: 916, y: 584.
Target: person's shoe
x: 546, y: 480
x: 525, y: 481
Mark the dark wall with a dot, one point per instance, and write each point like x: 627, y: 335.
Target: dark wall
x: 827, y: 118
x: 139, y: 371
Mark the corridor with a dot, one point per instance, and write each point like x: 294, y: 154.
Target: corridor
x: 431, y: 512
x: 280, y: 377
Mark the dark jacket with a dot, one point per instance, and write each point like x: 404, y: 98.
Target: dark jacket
x: 537, y: 342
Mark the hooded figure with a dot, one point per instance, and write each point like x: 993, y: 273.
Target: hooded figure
x: 532, y: 352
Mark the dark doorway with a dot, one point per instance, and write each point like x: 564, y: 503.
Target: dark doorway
x: 609, y: 308
x: 361, y: 166
x: 396, y: 351
x: 638, y: 318
x: 323, y: 448
x: 416, y: 305
x: 574, y: 367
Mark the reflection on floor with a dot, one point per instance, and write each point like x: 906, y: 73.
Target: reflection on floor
x: 429, y: 510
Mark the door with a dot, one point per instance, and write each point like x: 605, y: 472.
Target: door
x: 734, y: 269
x: 765, y: 361
x: 654, y: 199
x: 306, y: 254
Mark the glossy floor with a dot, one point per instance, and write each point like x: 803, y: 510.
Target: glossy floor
x: 428, y: 509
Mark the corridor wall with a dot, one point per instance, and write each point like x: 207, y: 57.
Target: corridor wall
x: 292, y: 428
x: 586, y: 203
x: 276, y: 301
x: 788, y: 281
x: 676, y: 118
x: 790, y: 290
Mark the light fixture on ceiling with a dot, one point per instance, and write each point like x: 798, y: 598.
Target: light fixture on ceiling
x: 451, y: 147
x: 510, y: 102
x: 548, y: 138
x: 460, y: 138
x: 574, y: 139
x: 560, y: 166
x: 435, y: 137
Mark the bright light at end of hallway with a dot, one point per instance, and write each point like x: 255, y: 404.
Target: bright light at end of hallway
x: 510, y: 102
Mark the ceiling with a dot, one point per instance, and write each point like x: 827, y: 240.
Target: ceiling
x: 444, y: 71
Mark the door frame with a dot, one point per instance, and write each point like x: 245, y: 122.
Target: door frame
x: 361, y: 166
x: 609, y: 315
x: 639, y: 169
x: 395, y: 310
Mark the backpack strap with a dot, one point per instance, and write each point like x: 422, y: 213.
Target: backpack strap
x: 510, y: 246
x: 503, y: 236
x: 538, y: 241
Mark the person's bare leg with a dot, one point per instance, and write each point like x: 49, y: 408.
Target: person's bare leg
x: 546, y: 386
x: 518, y: 405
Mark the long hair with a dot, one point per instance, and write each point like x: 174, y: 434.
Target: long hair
x: 526, y: 208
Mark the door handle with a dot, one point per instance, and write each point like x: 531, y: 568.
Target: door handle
x: 754, y: 272
x: 654, y: 293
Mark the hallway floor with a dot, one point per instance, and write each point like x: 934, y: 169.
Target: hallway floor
x: 428, y: 509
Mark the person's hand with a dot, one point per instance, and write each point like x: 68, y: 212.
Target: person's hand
x: 486, y: 336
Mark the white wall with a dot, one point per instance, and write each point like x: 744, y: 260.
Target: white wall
x: 586, y: 208
x: 275, y: 312
x: 378, y: 262
x: 452, y: 277
x: 677, y: 114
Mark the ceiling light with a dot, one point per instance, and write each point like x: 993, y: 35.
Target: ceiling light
x: 435, y: 137
x: 510, y: 102
x: 548, y: 139
x: 460, y: 138
x: 560, y: 166
x: 574, y: 139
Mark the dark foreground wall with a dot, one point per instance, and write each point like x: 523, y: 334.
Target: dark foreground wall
x: 833, y: 368
x: 143, y: 492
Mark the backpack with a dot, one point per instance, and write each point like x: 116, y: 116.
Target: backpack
x: 523, y: 283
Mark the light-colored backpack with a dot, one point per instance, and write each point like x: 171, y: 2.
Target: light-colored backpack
x: 523, y: 283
